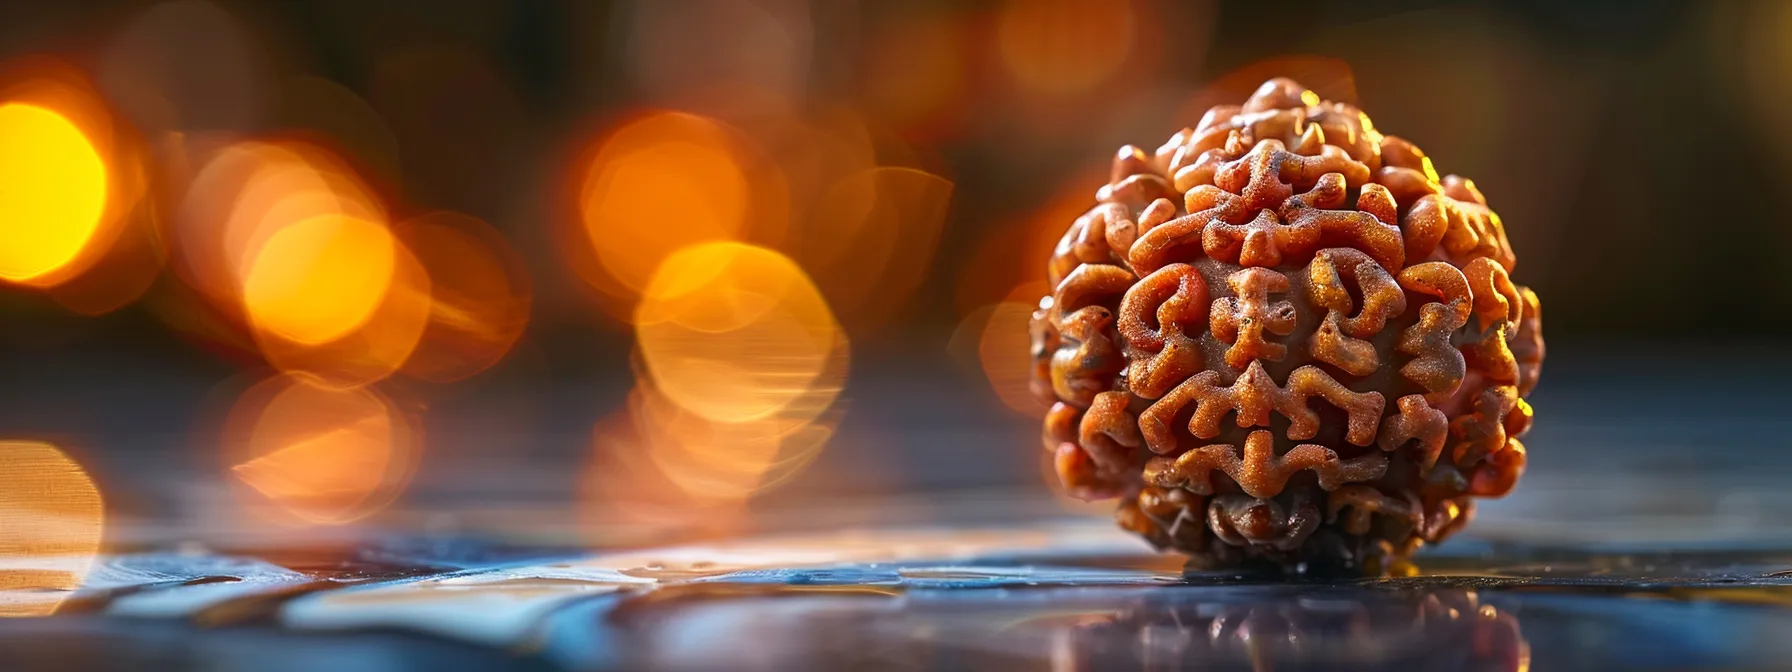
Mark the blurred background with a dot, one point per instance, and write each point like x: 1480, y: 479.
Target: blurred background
x: 594, y: 271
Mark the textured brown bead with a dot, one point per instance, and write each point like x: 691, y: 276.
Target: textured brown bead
x: 1283, y: 337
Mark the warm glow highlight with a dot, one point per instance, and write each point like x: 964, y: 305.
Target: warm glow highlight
x: 733, y: 332
x: 659, y: 183
x: 335, y: 464
x: 74, y: 221
x: 658, y: 464
x: 738, y: 388
x: 321, y: 454
x: 287, y: 244
x: 717, y: 462
x: 51, y: 519
x: 53, y: 187
x: 316, y: 280
x: 377, y: 348
x: 245, y: 193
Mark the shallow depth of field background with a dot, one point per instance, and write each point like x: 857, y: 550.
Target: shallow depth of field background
x: 600, y: 270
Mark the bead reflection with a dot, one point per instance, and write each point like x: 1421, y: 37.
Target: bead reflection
x: 1443, y: 629
x: 815, y: 622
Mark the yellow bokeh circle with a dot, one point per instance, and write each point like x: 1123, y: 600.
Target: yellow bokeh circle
x: 735, y: 332
x: 52, y: 191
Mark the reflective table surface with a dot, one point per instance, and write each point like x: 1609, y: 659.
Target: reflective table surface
x: 1651, y: 532
x: 1062, y: 595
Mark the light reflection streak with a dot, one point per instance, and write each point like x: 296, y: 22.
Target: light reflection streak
x: 734, y: 332
x: 741, y: 368
x: 322, y: 455
x: 51, y: 522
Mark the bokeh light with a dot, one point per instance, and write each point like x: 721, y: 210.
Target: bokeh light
x: 52, y: 192
x: 664, y: 167
x: 127, y: 268
x: 381, y: 344
x: 480, y: 294
x: 665, y: 180
x: 286, y: 241
x: 734, y: 332
x: 76, y: 219
x: 719, y: 462
x: 740, y: 369
x: 51, y: 522
x: 315, y: 280
x: 245, y: 192
x: 320, y: 454
x: 657, y: 464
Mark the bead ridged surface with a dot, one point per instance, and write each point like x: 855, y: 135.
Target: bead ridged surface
x: 1283, y: 337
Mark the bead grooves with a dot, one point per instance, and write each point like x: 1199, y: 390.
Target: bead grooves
x: 1230, y: 320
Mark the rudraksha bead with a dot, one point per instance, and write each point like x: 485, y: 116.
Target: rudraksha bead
x: 1282, y: 337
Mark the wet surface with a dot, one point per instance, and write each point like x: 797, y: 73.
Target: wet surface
x: 1060, y: 595
x: 1649, y: 533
